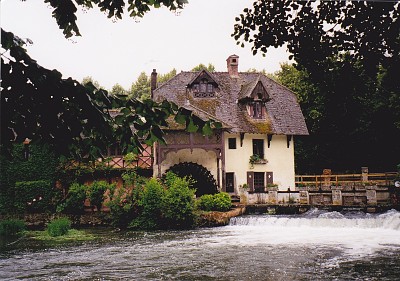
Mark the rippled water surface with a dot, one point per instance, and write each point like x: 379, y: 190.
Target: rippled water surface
x: 314, y: 246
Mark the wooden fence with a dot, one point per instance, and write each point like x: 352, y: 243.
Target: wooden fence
x: 352, y: 180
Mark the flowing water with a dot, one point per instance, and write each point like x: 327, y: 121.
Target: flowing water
x: 317, y: 245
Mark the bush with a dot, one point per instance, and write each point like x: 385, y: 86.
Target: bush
x: 34, y: 196
x: 11, y: 227
x: 74, y: 202
x: 123, y: 202
x: 59, y: 227
x: 149, y: 203
x: 217, y: 202
x: 96, y: 193
x: 178, y: 202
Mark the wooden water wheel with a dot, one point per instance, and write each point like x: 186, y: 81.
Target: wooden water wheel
x: 205, y: 182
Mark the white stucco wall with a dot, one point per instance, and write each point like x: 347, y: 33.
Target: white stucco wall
x: 280, y: 159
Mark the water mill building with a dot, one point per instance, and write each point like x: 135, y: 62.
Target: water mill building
x: 255, y: 145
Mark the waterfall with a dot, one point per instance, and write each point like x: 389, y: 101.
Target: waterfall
x: 320, y: 219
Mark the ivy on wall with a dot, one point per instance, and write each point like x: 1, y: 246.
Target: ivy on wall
x: 26, y: 164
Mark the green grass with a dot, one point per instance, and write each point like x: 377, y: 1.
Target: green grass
x: 73, y: 235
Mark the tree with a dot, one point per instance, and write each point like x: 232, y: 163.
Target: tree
x: 141, y: 88
x: 368, y: 30
x: 210, y: 67
x: 89, y: 79
x: 349, y: 121
x: 162, y: 78
x: 346, y: 53
x: 72, y: 118
x: 38, y: 104
x: 65, y: 11
x: 118, y: 90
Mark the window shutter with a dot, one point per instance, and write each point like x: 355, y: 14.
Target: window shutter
x: 250, y: 180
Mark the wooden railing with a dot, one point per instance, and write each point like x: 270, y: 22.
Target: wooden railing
x: 318, y: 181
x: 144, y: 161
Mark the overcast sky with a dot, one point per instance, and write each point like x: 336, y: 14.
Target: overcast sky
x: 116, y: 52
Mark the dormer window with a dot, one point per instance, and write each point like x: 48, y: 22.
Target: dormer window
x: 203, y: 89
x: 258, y: 112
x: 203, y: 85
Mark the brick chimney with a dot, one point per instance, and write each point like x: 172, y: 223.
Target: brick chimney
x: 153, y: 82
x: 232, y: 63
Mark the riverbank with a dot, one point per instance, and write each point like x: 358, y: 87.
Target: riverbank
x: 39, y: 221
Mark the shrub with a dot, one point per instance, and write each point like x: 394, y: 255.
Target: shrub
x: 34, y: 196
x: 206, y: 202
x: 123, y: 202
x: 96, y: 193
x: 59, y: 227
x: 217, y: 202
x: 178, y: 202
x: 149, y: 203
x: 11, y: 227
x: 74, y: 202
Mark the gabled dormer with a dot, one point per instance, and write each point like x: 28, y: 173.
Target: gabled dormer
x: 254, y: 96
x: 203, y: 85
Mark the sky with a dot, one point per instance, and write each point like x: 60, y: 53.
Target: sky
x: 114, y: 52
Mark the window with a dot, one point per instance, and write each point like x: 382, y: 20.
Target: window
x: 203, y: 86
x: 210, y: 88
x: 229, y: 182
x: 258, y: 110
x: 258, y: 147
x: 203, y: 89
x: 259, y: 182
x: 232, y: 143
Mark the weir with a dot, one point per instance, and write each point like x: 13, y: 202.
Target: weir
x: 316, y: 245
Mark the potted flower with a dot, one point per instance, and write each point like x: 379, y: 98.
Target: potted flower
x: 256, y: 159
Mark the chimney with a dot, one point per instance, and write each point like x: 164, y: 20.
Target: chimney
x: 153, y: 82
x: 232, y: 63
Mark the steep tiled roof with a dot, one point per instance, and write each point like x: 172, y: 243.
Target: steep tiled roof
x: 284, y: 116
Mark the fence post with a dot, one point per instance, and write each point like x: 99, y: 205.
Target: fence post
x: 364, y: 173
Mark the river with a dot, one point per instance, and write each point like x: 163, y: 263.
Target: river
x: 317, y: 245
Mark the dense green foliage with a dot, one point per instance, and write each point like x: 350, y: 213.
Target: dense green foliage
x: 74, y: 201
x: 215, y: 202
x: 178, y: 202
x: 96, y: 193
x: 210, y: 67
x: 34, y: 196
x: 123, y: 203
x: 11, y: 227
x: 347, y: 57
x: 352, y: 119
x: 149, y: 202
x: 40, y: 165
x: 59, y: 227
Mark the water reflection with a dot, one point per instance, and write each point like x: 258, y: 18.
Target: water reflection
x: 315, y: 246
